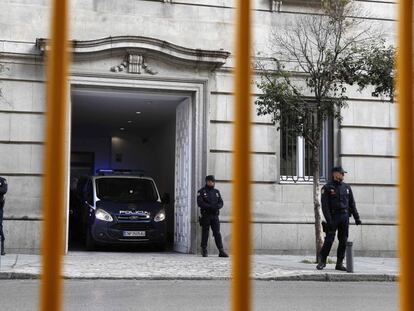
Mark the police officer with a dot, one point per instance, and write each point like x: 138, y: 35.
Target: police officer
x: 3, y: 190
x: 210, y: 202
x: 338, y: 205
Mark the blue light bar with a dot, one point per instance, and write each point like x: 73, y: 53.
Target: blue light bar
x: 103, y: 172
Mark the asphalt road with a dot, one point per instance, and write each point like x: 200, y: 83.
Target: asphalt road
x: 203, y: 295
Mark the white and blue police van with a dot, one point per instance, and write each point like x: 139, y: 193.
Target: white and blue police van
x: 122, y: 208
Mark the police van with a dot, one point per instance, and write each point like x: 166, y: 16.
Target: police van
x: 123, y: 207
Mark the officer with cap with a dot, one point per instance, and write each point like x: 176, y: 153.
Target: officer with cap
x: 3, y: 191
x: 210, y: 202
x: 338, y: 205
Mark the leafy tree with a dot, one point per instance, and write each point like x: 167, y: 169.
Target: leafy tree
x: 328, y: 51
x: 373, y: 65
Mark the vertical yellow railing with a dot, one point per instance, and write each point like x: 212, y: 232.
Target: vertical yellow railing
x: 53, y: 196
x: 241, y: 243
x: 54, y: 160
x: 406, y: 159
x: 53, y: 188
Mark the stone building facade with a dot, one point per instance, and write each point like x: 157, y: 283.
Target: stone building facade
x: 174, y: 61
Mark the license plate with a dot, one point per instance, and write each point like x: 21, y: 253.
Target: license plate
x: 134, y: 233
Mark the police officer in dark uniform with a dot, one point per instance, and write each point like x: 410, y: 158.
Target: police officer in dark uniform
x: 210, y: 202
x: 338, y: 205
x: 3, y: 191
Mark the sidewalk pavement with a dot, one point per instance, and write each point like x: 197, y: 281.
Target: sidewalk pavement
x: 175, y: 266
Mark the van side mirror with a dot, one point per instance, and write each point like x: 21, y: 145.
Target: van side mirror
x: 165, y: 198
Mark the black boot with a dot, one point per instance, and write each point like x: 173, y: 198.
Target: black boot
x: 340, y: 265
x: 2, y: 249
x: 204, y: 252
x: 321, y: 263
x: 222, y: 253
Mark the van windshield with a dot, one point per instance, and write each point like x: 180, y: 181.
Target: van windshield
x: 126, y: 190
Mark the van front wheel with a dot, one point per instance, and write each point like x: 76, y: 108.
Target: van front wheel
x: 90, y: 243
x: 159, y: 247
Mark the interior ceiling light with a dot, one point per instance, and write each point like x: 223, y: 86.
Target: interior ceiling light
x: 122, y: 128
x: 129, y: 121
x: 138, y: 112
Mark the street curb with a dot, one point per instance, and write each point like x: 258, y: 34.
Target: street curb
x: 325, y: 277
x: 18, y: 276
x: 330, y: 277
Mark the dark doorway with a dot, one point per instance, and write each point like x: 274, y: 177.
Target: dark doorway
x: 124, y: 130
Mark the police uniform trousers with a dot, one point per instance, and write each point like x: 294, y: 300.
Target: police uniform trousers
x: 1, y: 220
x: 340, y: 223
x: 207, y: 221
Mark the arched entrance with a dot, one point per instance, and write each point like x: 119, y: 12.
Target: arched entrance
x: 149, y: 70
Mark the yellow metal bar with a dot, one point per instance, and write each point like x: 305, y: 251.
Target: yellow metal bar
x: 54, y: 160
x: 241, y: 242
x: 406, y: 155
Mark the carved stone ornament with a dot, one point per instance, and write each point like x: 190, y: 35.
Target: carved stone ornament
x: 275, y: 5
x: 135, y: 49
x: 134, y: 63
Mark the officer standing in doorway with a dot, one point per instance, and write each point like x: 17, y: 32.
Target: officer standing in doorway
x: 3, y: 191
x: 210, y: 202
x: 338, y: 205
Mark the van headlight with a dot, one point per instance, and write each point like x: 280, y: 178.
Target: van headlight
x: 160, y: 216
x: 103, y: 215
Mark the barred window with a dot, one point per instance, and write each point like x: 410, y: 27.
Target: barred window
x: 296, y: 155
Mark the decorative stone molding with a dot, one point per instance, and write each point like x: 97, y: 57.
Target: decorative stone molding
x: 134, y: 63
x: 135, y: 46
x: 304, y: 3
